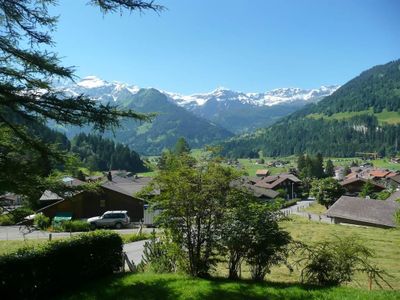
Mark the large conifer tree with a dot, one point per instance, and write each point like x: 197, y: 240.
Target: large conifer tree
x: 27, y: 99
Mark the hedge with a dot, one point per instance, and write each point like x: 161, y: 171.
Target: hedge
x: 33, y: 273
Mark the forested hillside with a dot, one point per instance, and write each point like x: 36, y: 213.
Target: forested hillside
x: 170, y: 123
x: 102, y: 154
x: 361, y: 116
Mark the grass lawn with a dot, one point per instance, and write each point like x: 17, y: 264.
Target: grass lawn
x: 315, y: 208
x: 384, y: 242
x: 172, y: 286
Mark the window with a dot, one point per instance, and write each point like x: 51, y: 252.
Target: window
x: 102, y: 203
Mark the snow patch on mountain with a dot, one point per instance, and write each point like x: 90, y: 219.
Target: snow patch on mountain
x: 270, y: 98
x: 102, y: 90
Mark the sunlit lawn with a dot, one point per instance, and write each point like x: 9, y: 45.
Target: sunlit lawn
x: 384, y: 242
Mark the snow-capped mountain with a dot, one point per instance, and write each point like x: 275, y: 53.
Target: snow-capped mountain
x: 232, y: 110
x: 100, y: 89
x: 270, y: 98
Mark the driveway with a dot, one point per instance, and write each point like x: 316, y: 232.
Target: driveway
x: 17, y: 233
x: 134, y: 251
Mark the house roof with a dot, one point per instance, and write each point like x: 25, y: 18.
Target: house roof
x: 377, y: 212
x: 127, y: 186
x: 263, y: 172
x: 261, y: 192
x: 395, y: 178
x: 393, y: 197
x: 49, y: 196
x: 379, y: 173
x: 355, y: 179
x: 271, y: 182
x: 9, y: 197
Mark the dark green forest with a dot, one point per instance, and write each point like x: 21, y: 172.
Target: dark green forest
x: 98, y: 153
x: 377, y: 88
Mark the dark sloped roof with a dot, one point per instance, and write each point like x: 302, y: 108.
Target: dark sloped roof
x: 127, y: 186
x: 393, y: 197
x: 371, y: 211
x: 355, y: 179
x: 395, y: 178
x: 261, y: 192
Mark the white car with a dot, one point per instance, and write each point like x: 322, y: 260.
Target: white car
x: 113, y: 218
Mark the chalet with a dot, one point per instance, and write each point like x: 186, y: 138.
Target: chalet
x: 288, y: 182
x: 367, y: 212
x: 10, y: 199
x: 353, y: 186
x: 118, y: 193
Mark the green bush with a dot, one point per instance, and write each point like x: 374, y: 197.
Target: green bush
x: 33, y: 273
x: 330, y: 263
x: 75, y: 226
x: 41, y: 221
x: 15, y: 216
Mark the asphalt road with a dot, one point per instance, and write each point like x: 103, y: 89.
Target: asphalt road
x: 134, y: 251
x: 17, y: 233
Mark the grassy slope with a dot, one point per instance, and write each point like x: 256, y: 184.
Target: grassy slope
x: 315, y: 209
x: 384, y: 117
x: 384, y: 242
x: 169, y: 286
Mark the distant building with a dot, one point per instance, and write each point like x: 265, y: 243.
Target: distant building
x: 267, y: 186
x: 354, y: 185
x: 262, y: 173
x: 367, y: 212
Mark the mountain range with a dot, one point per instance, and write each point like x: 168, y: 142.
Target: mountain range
x: 200, y: 118
x: 363, y: 115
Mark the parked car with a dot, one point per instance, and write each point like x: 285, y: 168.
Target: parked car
x: 114, y: 218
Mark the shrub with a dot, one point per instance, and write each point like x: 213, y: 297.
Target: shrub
x: 41, y: 221
x: 161, y: 255
x: 15, y: 216
x: 75, y: 226
x: 330, y: 263
x: 33, y: 273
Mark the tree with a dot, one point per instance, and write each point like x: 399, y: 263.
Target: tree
x: 269, y: 243
x: 192, y: 201
x: 318, y: 166
x: 182, y: 146
x: 27, y: 98
x: 368, y: 189
x: 329, y: 169
x: 326, y: 191
x: 301, y: 162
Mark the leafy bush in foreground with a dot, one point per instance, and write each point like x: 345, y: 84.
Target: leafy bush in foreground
x: 57, y: 266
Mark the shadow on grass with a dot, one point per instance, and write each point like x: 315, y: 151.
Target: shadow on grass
x: 167, y: 286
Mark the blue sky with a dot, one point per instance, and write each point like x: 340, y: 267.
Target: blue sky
x: 250, y: 46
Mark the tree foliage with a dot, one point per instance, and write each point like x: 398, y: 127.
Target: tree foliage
x: 28, y: 68
x: 182, y: 146
x: 326, y: 191
x: 207, y: 218
x: 101, y: 154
